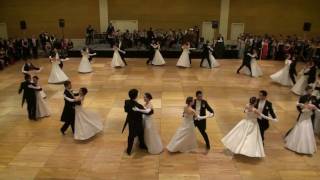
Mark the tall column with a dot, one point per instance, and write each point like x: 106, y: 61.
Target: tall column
x: 103, y: 12
x: 224, y: 18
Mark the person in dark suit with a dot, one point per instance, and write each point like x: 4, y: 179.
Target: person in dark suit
x: 151, y: 51
x: 28, y: 66
x: 292, y: 70
x: 34, y: 46
x: 205, y: 54
x: 29, y: 95
x: 311, y: 73
x: 134, y: 120
x: 246, y: 61
x: 201, y: 106
x: 68, y: 114
x: 265, y: 107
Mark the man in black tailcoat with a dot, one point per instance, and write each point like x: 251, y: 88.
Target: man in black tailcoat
x: 201, y: 106
x: 134, y: 120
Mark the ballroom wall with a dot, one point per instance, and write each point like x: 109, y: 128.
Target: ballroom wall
x: 259, y: 16
x: 43, y: 15
x: 165, y: 13
x: 275, y: 16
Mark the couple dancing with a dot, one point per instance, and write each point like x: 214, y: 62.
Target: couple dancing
x: 247, y: 137
x: 139, y: 119
x: 140, y: 123
x: 84, y: 124
x: 155, y: 57
x: 32, y: 93
x: 194, y: 114
x: 250, y: 64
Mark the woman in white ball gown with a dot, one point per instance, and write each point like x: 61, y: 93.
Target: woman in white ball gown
x: 42, y: 108
x: 85, y: 65
x: 302, y: 83
x: 214, y: 62
x: 184, y: 140
x: 316, y: 94
x: 87, y: 123
x: 157, y: 59
x: 282, y: 76
x: 117, y: 61
x: 301, y: 139
x: 255, y: 68
x: 56, y: 75
x: 151, y: 135
x: 245, y: 137
x: 184, y: 60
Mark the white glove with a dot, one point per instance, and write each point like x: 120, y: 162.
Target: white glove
x: 135, y: 109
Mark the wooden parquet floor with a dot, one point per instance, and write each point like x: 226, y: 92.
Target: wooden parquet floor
x: 37, y: 150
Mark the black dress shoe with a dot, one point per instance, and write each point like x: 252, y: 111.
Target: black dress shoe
x: 62, y: 132
x: 208, y: 147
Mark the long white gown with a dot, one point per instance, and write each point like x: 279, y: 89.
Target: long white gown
x: 117, y: 60
x: 151, y: 135
x: 42, y: 108
x: 57, y: 75
x: 85, y: 65
x: 158, y: 59
x: 301, y: 138
x: 255, y: 68
x: 214, y: 62
x: 245, y: 137
x: 282, y: 76
x: 87, y: 123
x: 184, y: 140
x: 184, y: 60
x: 301, y: 84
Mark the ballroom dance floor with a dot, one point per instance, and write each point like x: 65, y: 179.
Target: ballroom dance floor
x: 37, y: 150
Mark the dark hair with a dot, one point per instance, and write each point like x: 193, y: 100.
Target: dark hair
x: 308, y: 88
x: 304, y: 99
x: 84, y: 90
x: 67, y: 83
x: 253, y: 100
x: 148, y: 95
x: 133, y: 93
x: 27, y: 76
x: 36, y: 77
x: 264, y: 92
x: 198, y: 93
x: 189, y: 100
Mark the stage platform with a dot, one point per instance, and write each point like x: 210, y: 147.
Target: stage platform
x: 104, y: 50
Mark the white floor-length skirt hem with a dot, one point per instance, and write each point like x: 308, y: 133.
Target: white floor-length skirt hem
x: 87, y: 124
x: 117, y: 61
x: 158, y: 59
x: 85, y: 66
x: 301, y: 138
x: 245, y: 139
x: 57, y: 75
x: 184, y: 60
x: 151, y: 136
x: 42, y: 108
x: 301, y: 84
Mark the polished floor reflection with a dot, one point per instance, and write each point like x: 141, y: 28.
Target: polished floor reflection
x: 37, y: 150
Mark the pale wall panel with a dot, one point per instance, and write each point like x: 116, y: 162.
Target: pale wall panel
x: 165, y: 13
x: 43, y: 15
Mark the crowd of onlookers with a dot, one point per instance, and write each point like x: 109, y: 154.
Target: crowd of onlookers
x: 14, y: 49
x: 277, y: 47
x: 172, y: 38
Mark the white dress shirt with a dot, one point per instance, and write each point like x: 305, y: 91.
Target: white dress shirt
x: 198, y: 106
